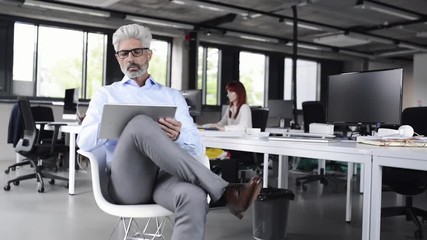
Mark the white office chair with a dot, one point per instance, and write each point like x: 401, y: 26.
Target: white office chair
x: 127, y: 213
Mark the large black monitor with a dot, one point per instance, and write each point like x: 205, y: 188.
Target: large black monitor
x: 279, y: 109
x: 193, y: 98
x: 368, y: 98
x: 71, y: 99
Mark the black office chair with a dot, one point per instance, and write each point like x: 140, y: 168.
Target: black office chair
x: 314, y: 112
x: 259, y: 117
x: 405, y: 181
x: 42, y: 115
x: 35, y: 149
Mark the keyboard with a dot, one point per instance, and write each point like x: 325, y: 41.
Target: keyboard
x: 308, y: 135
x: 302, y: 139
x: 69, y: 123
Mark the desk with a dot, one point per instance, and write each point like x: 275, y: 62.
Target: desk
x: 401, y: 157
x: 72, y: 131
x: 349, y: 152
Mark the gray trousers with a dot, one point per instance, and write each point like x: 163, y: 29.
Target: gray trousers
x: 147, y: 165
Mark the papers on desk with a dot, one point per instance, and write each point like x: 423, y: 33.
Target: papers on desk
x: 394, y: 141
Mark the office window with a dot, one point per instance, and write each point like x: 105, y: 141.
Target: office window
x: 308, y: 81
x: 59, y: 61
x: 252, y: 75
x: 208, y: 74
x: 65, y: 59
x: 159, y: 67
x: 23, y: 52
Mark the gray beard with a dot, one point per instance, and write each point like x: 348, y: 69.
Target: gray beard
x: 136, y: 74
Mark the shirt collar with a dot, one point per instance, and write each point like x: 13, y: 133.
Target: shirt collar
x: 149, y: 83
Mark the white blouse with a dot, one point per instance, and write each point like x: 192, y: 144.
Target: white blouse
x: 242, y: 121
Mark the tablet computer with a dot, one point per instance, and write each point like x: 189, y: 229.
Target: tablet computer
x: 116, y: 116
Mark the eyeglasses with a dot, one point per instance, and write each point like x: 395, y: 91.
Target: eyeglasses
x: 136, y: 52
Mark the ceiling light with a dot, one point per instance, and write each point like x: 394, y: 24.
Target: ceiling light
x: 421, y: 34
x: 304, y: 25
x: 178, y: 2
x: 157, y: 22
x: 371, y: 38
x: 397, y: 53
x: 252, y: 37
x: 214, y: 7
x: 340, y: 40
x: 364, y: 4
x: 307, y: 46
x: 412, y: 46
x: 72, y: 9
x: 202, y: 6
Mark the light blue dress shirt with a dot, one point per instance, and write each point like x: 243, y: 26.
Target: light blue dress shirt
x: 128, y: 91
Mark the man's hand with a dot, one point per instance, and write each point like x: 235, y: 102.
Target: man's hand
x: 171, y: 127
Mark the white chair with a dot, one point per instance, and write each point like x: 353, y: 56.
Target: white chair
x: 127, y: 213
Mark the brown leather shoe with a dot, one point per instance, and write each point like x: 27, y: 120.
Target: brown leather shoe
x: 240, y: 196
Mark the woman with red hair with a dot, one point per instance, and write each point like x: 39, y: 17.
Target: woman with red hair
x: 238, y: 116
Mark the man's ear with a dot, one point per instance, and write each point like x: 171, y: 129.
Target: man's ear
x: 150, y: 54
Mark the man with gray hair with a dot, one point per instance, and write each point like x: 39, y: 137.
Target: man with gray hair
x: 155, y: 160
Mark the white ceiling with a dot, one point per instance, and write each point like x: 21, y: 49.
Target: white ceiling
x: 329, y: 25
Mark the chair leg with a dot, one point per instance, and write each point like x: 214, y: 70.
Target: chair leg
x: 16, y: 181
x: 38, y: 174
x: 420, y: 212
x: 410, y: 213
x: 22, y: 163
x: 134, y: 232
x: 301, y: 181
x: 322, y: 177
x: 393, y: 211
x: 52, y: 176
x: 419, y: 232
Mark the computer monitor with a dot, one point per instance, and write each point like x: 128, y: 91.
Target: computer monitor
x: 367, y: 98
x: 193, y: 98
x: 280, y: 110
x: 71, y: 99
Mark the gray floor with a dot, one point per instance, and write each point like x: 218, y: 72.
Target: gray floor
x: 317, y: 213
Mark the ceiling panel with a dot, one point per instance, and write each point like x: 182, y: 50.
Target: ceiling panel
x: 325, y: 17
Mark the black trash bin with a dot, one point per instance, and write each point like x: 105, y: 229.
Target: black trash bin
x: 271, y: 214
